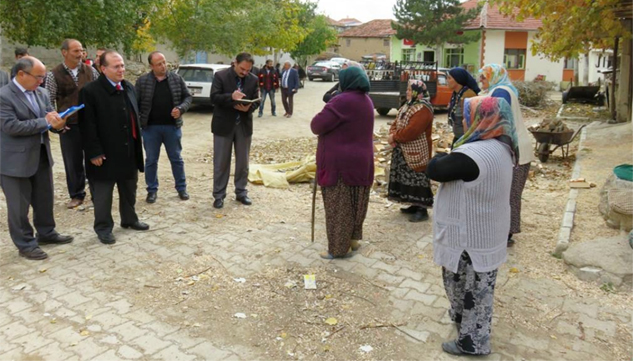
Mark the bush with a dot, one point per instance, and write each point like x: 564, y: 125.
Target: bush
x: 533, y: 93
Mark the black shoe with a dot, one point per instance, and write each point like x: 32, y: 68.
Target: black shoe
x: 183, y: 195
x: 451, y: 348
x: 218, y: 203
x: 57, y: 239
x: 34, y: 254
x: 419, y: 216
x: 409, y: 210
x: 260, y: 115
x: 151, y: 197
x: 107, y: 238
x: 137, y: 226
x: 244, y: 200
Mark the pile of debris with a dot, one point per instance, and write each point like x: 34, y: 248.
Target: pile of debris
x: 551, y: 125
x: 442, y: 137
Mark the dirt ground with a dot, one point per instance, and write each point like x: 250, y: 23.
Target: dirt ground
x: 281, y: 321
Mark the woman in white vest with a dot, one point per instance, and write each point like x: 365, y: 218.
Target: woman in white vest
x: 494, y: 79
x: 472, y: 218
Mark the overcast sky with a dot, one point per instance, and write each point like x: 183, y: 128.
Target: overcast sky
x: 363, y: 10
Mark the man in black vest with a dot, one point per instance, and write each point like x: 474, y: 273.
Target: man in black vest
x: 112, y: 144
x: 232, y: 124
x: 64, y: 83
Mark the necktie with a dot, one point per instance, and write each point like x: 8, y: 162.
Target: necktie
x: 119, y: 88
x: 31, y: 96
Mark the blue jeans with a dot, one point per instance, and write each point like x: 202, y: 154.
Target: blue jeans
x: 270, y: 93
x: 153, y: 137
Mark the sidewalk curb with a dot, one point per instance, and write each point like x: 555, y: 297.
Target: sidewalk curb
x: 567, y: 224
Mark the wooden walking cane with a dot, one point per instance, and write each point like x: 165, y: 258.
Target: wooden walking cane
x: 314, y: 191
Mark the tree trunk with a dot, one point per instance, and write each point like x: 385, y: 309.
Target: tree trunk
x: 585, y: 73
x: 625, y: 85
x: 615, y: 77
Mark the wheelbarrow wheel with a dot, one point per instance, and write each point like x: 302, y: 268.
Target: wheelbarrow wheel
x: 543, y: 152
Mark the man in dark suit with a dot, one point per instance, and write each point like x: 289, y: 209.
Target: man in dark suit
x: 112, y: 144
x: 4, y: 78
x: 26, y: 116
x: 289, y: 86
x: 232, y: 124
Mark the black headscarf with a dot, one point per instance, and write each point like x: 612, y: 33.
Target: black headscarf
x: 463, y: 78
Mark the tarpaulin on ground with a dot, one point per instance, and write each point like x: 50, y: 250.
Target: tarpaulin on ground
x: 282, y: 174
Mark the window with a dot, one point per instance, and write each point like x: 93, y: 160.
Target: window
x: 386, y: 42
x: 408, y: 54
x: 348, y: 42
x: 571, y: 63
x: 514, y: 58
x: 429, y: 56
x: 454, y: 58
x: 441, y: 79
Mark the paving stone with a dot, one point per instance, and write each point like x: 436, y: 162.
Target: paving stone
x: 73, y: 299
x: 128, y: 331
x: 32, y: 342
x: 150, y: 344
x: 17, y: 305
x: 52, y: 351
x: 128, y: 352
x: 140, y: 316
x: 385, y: 267
x: 419, y: 286
x: 568, y: 328
x: 389, y: 279
x: 15, y: 330
x: 410, y: 274
x: 121, y: 306
x: 607, y: 327
x: 301, y: 260
x: 359, y: 258
x: 209, y: 352
x: 365, y: 271
x: 432, y: 313
x: 399, y: 293
x: 413, y: 335
x: 573, y: 306
x: 530, y: 342
x: 110, y: 340
x: 403, y: 305
x: 87, y: 349
x: 184, y: 340
x: 109, y: 320
x: 109, y: 355
x: 442, y: 302
x: 420, y: 297
x: 173, y: 353
x: 67, y: 335
x: 443, y: 330
x: 162, y: 328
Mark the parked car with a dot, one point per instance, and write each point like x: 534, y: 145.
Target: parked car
x: 198, y: 78
x: 324, y: 70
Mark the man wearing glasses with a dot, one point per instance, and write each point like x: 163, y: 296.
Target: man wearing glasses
x: 26, y: 176
x: 112, y: 145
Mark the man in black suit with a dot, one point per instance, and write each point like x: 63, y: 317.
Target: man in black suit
x: 112, y: 144
x: 26, y: 116
x: 232, y: 124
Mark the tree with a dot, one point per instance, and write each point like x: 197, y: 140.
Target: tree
x: 320, y: 34
x: 570, y: 27
x: 48, y: 22
x: 433, y: 22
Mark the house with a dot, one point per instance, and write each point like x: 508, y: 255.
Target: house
x: 372, y: 37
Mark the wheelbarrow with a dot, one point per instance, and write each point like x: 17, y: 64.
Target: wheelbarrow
x: 545, y: 140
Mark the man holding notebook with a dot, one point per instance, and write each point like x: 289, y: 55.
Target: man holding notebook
x: 235, y: 94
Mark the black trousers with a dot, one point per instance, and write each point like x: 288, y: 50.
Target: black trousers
x: 102, y: 199
x: 73, y: 155
x: 287, y: 96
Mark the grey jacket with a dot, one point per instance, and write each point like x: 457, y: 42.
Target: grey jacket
x: 22, y: 131
x: 4, y: 78
x: 145, y: 86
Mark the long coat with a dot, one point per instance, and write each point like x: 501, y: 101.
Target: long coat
x: 106, y: 129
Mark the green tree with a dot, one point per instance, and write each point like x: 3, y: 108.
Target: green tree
x: 46, y: 23
x: 433, y: 22
x: 320, y: 34
x: 570, y: 27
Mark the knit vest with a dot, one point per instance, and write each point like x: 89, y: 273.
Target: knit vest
x: 67, y: 90
x: 475, y: 216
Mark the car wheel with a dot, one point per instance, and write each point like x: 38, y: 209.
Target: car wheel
x: 310, y: 79
x: 331, y: 78
x: 383, y: 111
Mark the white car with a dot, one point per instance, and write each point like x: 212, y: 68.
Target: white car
x: 339, y: 61
x: 199, y: 78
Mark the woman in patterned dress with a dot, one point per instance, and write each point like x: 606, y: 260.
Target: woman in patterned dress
x: 494, y: 79
x: 410, y: 137
x: 345, y: 161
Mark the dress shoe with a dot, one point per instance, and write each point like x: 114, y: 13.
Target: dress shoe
x: 354, y: 245
x: 274, y: 115
x: 107, y: 238
x: 137, y: 226
x: 244, y: 200
x: 260, y: 115
x: 419, y: 216
x: 218, y: 203
x: 34, y: 254
x: 56, y: 239
x: 409, y: 210
x: 75, y: 202
x: 183, y: 195
x: 151, y: 197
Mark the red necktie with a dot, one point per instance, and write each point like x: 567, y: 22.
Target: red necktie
x: 119, y: 88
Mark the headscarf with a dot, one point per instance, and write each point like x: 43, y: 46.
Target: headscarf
x: 463, y: 78
x: 497, y: 75
x: 419, y: 94
x: 487, y: 118
x: 353, y: 78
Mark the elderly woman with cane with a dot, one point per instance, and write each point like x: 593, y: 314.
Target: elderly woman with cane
x: 472, y: 218
x: 345, y: 161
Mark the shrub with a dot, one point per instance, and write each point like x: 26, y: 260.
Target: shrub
x: 533, y: 93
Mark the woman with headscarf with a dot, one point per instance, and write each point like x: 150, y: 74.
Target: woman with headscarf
x: 463, y: 86
x: 472, y: 219
x: 410, y: 137
x: 336, y: 89
x: 345, y: 161
x: 494, y: 80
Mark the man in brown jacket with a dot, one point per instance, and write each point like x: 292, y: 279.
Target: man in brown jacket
x: 63, y: 83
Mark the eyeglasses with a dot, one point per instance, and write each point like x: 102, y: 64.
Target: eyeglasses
x: 38, y: 77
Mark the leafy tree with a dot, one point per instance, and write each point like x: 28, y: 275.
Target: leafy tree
x: 274, y: 24
x: 433, y: 22
x: 570, y: 27
x: 320, y: 34
x: 48, y: 22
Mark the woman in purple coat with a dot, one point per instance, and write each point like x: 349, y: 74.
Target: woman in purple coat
x: 345, y: 161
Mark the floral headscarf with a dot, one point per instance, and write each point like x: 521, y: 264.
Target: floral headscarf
x: 487, y: 118
x: 497, y: 75
x: 419, y: 93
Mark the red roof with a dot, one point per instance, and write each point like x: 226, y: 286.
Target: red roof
x: 333, y: 22
x: 380, y: 28
x: 350, y: 21
x: 490, y: 18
